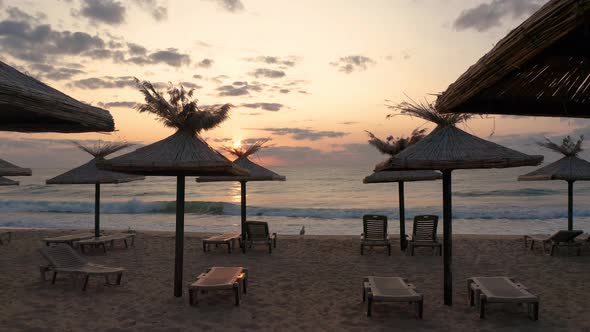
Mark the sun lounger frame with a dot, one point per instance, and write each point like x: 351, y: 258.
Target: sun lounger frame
x: 240, y: 282
x: 263, y: 238
x: 375, y: 233
x: 67, y: 239
x: 370, y: 295
x: 479, y: 296
x: 424, y: 234
x: 223, y: 239
x: 64, y: 259
x: 555, y: 241
x: 104, y: 239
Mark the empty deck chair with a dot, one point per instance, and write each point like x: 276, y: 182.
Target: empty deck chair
x: 484, y: 290
x: 63, y: 259
x: 257, y: 233
x: 375, y: 233
x: 557, y: 240
x: 391, y: 289
x: 220, y: 278
x: 424, y: 234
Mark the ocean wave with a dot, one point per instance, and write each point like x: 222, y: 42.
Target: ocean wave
x: 136, y: 206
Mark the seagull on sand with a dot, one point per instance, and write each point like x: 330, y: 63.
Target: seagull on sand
x: 302, y: 231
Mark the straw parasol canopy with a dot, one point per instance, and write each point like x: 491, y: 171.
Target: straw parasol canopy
x: 540, y: 68
x: 28, y: 105
x: 570, y: 168
x: 9, y: 169
x: 184, y: 153
x: 448, y: 148
x: 257, y: 173
x: 8, y: 182
x: 90, y: 174
x: 393, y: 146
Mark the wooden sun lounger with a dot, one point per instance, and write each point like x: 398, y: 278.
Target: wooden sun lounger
x: 223, y: 239
x: 103, y: 240
x: 9, y: 236
x: 391, y: 289
x: 484, y: 290
x: 63, y: 259
x: 220, y: 278
x: 559, y: 239
x: 67, y: 239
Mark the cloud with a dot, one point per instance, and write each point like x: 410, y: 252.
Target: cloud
x: 205, y: 63
x: 170, y: 56
x: 351, y: 63
x: 232, y: 6
x: 267, y: 73
x: 136, y: 49
x: 54, y: 73
x: 304, y: 133
x: 118, y: 104
x: 190, y: 85
x: 289, y: 61
x: 272, y: 107
x: 490, y: 14
x: 103, y: 11
x: 158, y: 12
x: 239, y: 88
x: 105, y: 82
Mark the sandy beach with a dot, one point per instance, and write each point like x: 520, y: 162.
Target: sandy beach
x: 309, y: 283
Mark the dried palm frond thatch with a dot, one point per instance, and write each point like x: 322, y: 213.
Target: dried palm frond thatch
x: 180, y: 111
x: 394, y: 145
x: 427, y: 111
x: 246, y: 151
x: 102, y: 149
x: 568, y: 147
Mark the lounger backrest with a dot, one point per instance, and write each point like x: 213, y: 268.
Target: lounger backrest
x: 257, y: 230
x: 565, y: 236
x: 375, y: 227
x: 425, y: 228
x: 62, y: 255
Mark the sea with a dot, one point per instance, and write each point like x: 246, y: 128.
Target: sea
x: 326, y: 200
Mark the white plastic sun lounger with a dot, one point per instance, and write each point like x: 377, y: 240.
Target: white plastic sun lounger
x: 104, y: 239
x: 63, y: 259
x: 68, y: 239
x: 559, y: 239
x: 484, y: 290
x: 220, y: 278
x: 391, y: 289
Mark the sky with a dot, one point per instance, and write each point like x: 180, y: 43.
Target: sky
x: 309, y: 75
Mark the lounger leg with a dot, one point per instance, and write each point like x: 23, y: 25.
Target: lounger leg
x: 193, y: 297
x: 204, y: 247
x: 126, y: 245
x: 364, y: 293
x: 245, y: 284
x: 470, y: 294
x: 229, y: 247
x: 552, y: 250
x: 362, y: 249
x: 419, y: 308
x: 54, y: 277
x: 412, y: 251
x: 482, y: 308
x: 389, y: 249
x: 119, y: 276
x: 85, y: 282
x: 270, y: 248
x: 237, y: 293
x: 369, y: 305
x: 536, y: 311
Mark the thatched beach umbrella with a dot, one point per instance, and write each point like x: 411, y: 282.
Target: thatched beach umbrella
x: 392, y: 147
x: 9, y: 169
x: 182, y: 154
x: 570, y: 168
x: 448, y: 148
x: 8, y: 182
x: 540, y: 68
x: 257, y: 173
x: 28, y: 105
x: 90, y: 174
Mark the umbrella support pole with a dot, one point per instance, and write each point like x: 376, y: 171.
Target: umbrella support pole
x: 570, y: 205
x: 97, y: 210
x: 447, y: 238
x: 179, y: 250
x: 402, y: 217
x: 243, y: 215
